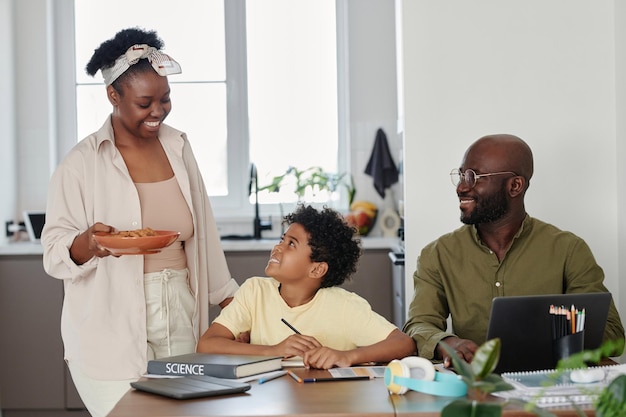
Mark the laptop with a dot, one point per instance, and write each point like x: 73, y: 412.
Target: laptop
x: 34, y: 221
x: 192, y: 386
x: 524, y: 326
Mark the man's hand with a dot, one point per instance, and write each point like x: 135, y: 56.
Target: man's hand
x: 464, y: 348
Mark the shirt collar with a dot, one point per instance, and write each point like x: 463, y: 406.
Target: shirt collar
x: 524, y: 229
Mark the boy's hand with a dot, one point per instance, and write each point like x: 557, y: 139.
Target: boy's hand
x: 326, y: 358
x: 297, y: 345
x: 244, y: 337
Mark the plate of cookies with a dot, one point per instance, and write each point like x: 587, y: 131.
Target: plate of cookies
x: 136, y: 242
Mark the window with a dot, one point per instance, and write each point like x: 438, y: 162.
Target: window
x: 292, y: 97
x: 270, y: 97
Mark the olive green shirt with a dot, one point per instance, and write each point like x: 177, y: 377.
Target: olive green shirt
x: 458, y: 275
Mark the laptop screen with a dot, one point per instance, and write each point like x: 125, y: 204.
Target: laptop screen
x: 524, y: 326
x: 34, y: 221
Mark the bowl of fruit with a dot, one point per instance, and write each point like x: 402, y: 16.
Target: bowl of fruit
x: 362, y: 216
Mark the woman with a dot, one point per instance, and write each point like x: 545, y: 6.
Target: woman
x: 135, y: 172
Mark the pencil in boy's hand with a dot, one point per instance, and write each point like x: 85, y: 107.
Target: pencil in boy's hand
x: 290, y: 326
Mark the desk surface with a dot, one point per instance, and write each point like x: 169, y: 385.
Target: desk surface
x: 285, y: 397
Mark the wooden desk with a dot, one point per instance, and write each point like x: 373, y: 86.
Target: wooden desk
x: 285, y: 397
x: 279, y: 397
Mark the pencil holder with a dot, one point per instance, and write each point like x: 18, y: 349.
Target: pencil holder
x: 566, y: 346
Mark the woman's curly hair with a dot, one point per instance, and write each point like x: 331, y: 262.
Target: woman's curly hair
x: 331, y: 240
x: 107, y: 53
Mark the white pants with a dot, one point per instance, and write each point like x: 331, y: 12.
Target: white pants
x: 170, y: 306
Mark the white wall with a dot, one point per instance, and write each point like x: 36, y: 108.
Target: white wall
x: 545, y: 71
x: 620, y: 152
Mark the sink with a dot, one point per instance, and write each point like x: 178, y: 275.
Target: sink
x: 249, y: 238
x: 237, y: 237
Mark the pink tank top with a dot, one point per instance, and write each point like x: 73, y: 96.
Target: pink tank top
x: 163, y: 207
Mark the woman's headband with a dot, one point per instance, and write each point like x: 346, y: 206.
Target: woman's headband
x: 162, y: 63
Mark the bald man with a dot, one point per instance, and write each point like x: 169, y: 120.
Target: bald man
x: 499, y: 251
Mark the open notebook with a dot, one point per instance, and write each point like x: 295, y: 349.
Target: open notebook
x: 524, y: 326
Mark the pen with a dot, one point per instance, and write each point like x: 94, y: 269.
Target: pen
x: 349, y: 378
x: 582, y: 320
x: 270, y: 377
x: 296, y: 377
x: 290, y: 326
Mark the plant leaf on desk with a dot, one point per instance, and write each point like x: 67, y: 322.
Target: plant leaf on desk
x: 486, y: 358
x: 612, y: 401
x: 474, y: 408
x: 492, y: 383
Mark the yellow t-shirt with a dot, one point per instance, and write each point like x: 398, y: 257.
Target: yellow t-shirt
x: 337, y: 318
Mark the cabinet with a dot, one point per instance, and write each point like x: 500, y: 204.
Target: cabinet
x: 34, y: 380
x: 372, y: 280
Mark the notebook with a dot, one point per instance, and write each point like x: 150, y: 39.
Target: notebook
x: 194, y: 386
x: 524, y: 327
x: 554, y: 388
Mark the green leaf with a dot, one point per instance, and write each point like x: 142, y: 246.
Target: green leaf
x: 486, y: 358
x: 612, y: 401
x: 463, y: 408
x: 492, y: 383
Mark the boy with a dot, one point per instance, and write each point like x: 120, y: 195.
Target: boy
x: 328, y: 326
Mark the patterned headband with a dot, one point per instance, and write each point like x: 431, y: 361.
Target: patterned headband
x: 162, y: 63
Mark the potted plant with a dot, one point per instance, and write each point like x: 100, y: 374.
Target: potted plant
x: 481, y: 381
x: 314, y: 178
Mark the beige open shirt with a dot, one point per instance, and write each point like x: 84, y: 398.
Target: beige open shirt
x: 103, y: 322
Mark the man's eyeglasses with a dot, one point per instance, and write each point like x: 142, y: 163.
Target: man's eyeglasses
x: 470, y: 177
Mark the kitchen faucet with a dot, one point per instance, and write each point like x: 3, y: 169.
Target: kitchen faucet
x: 259, y: 225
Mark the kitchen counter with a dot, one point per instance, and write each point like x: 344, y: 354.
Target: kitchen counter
x: 30, y: 248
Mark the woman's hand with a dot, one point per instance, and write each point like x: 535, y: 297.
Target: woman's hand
x: 85, y: 246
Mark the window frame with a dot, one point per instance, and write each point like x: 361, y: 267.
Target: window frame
x: 237, y: 204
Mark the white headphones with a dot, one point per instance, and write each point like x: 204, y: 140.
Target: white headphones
x: 418, y: 374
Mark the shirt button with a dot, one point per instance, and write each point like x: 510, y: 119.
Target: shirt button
x: 134, y: 223
x: 498, y: 283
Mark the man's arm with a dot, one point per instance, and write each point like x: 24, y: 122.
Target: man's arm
x: 583, y: 274
x: 428, y: 311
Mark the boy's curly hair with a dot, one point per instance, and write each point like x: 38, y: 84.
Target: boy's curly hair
x: 331, y: 240
x: 107, y: 53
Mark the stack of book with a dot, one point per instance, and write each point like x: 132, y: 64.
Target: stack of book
x: 220, y: 366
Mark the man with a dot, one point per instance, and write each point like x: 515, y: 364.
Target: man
x: 500, y: 251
